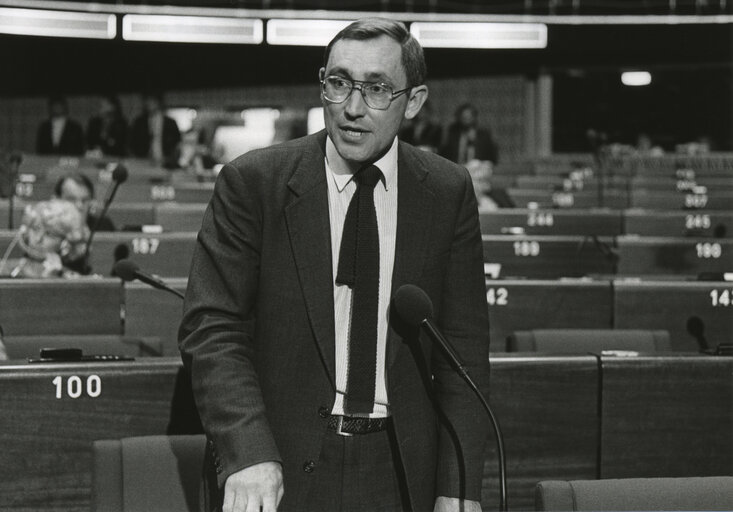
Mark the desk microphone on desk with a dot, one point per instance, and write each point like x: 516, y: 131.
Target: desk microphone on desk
x: 119, y: 176
x: 414, y: 307
x: 128, y: 270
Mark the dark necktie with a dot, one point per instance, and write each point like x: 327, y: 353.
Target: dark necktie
x: 359, y: 269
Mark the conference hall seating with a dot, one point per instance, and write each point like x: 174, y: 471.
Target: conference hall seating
x: 582, y: 257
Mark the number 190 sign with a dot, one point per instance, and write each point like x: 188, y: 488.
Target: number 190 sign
x: 76, y: 386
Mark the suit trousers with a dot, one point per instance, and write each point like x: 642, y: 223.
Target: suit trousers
x: 359, y: 473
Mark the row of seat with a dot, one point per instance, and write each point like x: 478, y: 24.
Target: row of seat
x: 696, y: 315
x: 564, y: 418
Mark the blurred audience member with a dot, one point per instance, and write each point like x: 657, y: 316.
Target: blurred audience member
x: 488, y: 197
x: 155, y: 135
x: 422, y: 131
x: 466, y: 141
x: 78, y: 189
x: 107, y: 131
x: 53, y: 235
x: 645, y: 146
x: 59, y: 134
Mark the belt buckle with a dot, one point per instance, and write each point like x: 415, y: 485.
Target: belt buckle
x: 339, y: 426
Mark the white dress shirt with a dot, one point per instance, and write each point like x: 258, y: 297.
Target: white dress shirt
x: 341, y: 188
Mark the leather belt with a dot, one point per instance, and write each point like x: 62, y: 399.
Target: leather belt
x: 348, y: 425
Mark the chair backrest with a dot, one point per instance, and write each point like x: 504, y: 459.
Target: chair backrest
x: 697, y: 493
x: 137, y: 474
x: 588, y: 340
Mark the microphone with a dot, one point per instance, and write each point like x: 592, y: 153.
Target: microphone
x: 15, y: 159
x: 119, y: 176
x: 415, y: 308
x: 128, y: 270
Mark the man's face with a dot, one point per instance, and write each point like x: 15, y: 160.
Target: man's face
x: 362, y: 134
x: 77, y: 194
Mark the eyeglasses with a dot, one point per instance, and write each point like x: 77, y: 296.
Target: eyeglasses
x: 376, y: 95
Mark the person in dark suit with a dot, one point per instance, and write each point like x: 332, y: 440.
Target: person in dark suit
x: 59, y: 134
x: 154, y: 135
x: 423, y: 131
x: 466, y: 141
x: 289, y: 296
x: 107, y: 131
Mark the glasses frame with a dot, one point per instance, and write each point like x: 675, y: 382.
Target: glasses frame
x: 359, y: 85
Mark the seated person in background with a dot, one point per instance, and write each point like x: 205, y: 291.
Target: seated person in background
x: 466, y: 141
x: 488, y: 197
x: 107, y: 131
x: 155, y: 135
x: 78, y: 189
x: 59, y: 135
x: 423, y: 131
x: 53, y: 235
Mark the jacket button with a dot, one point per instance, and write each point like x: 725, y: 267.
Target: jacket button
x: 324, y: 412
x: 309, y: 466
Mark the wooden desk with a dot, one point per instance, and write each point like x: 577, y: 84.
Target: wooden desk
x: 708, y: 223
x: 530, y: 304
x: 667, y: 416
x: 547, y: 408
x: 161, y: 192
x: 131, y: 214
x: 600, y: 222
x: 46, y: 441
x: 165, y: 254
x: 150, y: 312
x: 661, y: 200
x: 616, y: 199
x: 546, y: 257
x: 60, y: 306
x: 178, y: 217
x: 673, y: 256
x: 690, y: 311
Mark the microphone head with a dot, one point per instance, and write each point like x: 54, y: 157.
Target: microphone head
x: 120, y: 173
x: 412, y: 304
x: 126, y: 270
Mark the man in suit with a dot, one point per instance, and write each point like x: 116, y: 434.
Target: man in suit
x: 154, y: 135
x: 466, y: 141
x: 59, y: 134
x: 282, y: 313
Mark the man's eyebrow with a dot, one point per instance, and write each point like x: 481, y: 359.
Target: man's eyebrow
x: 370, y: 77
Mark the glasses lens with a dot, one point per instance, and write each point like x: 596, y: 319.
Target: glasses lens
x: 336, y: 89
x: 378, y: 96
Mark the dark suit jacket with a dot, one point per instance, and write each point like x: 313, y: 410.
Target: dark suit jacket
x: 71, y: 143
x: 485, y: 146
x: 140, y: 139
x: 258, y: 326
x: 112, y: 142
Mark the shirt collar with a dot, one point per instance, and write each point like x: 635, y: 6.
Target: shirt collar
x: 341, y: 177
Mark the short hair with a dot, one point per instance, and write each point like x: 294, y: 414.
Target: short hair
x: 78, y: 178
x: 413, y: 58
x: 466, y: 106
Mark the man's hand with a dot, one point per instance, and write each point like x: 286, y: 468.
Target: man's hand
x: 257, y: 486
x: 443, y: 504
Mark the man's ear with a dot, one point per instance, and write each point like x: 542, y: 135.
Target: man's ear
x: 418, y: 96
x: 321, y: 74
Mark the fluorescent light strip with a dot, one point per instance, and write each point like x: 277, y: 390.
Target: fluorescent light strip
x: 191, y: 29
x: 636, y: 78
x: 303, y: 32
x: 480, y: 35
x: 37, y: 22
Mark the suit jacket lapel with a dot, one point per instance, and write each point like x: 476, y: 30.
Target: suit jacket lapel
x: 414, y: 221
x: 310, y: 238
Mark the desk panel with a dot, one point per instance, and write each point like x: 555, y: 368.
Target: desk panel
x: 179, y: 217
x: 60, y: 306
x: 616, y: 199
x: 131, y: 214
x: 708, y: 223
x: 673, y: 256
x: 165, y: 254
x: 151, y: 312
x: 46, y: 441
x: 599, y: 222
x: 524, y: 305
x: 669, y: 416
x: 548, y: 411
x: 659, y: 200
x: 695, y: 313
x: 547, y: 257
